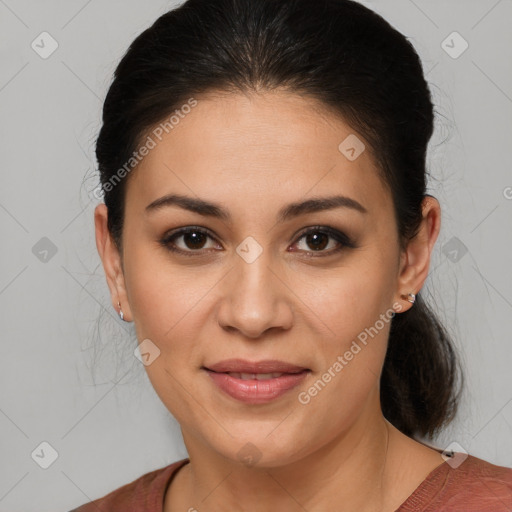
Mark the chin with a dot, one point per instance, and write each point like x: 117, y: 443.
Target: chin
x: 261, y: 446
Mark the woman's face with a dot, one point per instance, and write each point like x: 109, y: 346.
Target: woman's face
x: 253, y: 285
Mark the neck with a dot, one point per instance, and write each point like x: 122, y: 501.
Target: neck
x: 361, y: 469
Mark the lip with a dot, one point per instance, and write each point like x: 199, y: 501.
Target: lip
x: 254, y: 391
x: 265, y: 366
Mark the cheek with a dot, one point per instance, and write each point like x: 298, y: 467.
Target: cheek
x: 170, y: 306
x: 162, y: 293
x: 353, y: 311
x: 165, y: 304
x: 350, y: 356
x: 349, y: 299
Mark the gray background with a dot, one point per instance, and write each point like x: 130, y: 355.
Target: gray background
x: 68, y: 374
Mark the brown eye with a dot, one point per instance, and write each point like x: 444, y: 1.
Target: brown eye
x: 317, y: 240
x: 191, y: 241
x: 323, y: 240
x: 194, y: 239
x: 187, y: 241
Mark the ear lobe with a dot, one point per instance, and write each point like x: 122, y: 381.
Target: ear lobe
x: 415, y: 259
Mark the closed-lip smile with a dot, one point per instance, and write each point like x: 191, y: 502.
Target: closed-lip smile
x: 255, y: 382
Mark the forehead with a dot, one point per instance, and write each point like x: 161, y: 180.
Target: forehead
x: 272, y: 146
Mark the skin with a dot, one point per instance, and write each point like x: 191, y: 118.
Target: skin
x: 253, y: 155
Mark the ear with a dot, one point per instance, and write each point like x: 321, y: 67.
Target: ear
x: 415, y: 259
x: 112, y: 263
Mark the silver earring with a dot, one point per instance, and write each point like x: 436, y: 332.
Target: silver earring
x: 410, y: 297
x: 120, y: 310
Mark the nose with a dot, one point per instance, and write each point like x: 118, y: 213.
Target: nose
x: 255, y: 299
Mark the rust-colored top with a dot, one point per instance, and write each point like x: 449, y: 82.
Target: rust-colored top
x: 473, y: 486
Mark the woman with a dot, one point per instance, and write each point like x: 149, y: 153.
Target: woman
x: 267, y: 229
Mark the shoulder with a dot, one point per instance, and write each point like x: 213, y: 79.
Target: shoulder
x: 466, y: 484
x: 481, y: 468
x: 145, y: 493
x: 484, y: 481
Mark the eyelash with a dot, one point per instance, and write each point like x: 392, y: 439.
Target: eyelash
x: 340, y: 237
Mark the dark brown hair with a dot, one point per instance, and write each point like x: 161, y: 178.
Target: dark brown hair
x: 351, y: 60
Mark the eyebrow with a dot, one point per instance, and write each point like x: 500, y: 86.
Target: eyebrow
x: 209, y: 209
